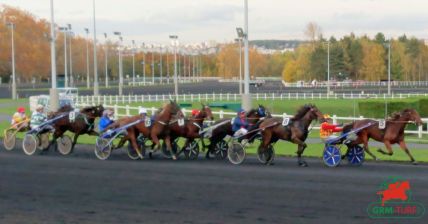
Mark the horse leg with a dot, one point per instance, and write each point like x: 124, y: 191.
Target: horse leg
x: 76, y: 135
x: 388, y: 148
x: 300, y: 149
x: 403, y: 146
x: 133, y: 141
x: 155, y: 142
x: 169, y: 147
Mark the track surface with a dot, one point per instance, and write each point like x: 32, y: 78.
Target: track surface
x: 81, y: 189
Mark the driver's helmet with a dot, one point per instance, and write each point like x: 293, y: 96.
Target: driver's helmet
x: 21, y: 110
x: 142, y: 111
x: 195, y: 112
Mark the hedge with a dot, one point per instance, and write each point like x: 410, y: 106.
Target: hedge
x: 376, y: 109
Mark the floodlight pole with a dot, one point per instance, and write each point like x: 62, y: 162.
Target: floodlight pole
x: 96, y: 86
x: 14, y: 93
x: 71, y: 59
x: 389, y: 68
x: 120, y: 63
x: 88, y: 83
x: 246, y: 97
x: 133, y: 62
x: 328, y: 68
x: 174, y: 39
x: 106, y: 59
x: 53, y: 92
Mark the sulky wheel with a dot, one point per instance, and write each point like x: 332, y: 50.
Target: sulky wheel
x: 64, y: 145
x: 220, y: 149
x: 132, y: 154
x: 267, y: 156
x: 9, y: 140
x: 43, y: 141
x: 236, y: 153
x: 191, y: 151
x: 166, y: 153
x: 29, y: 144
x: 355, y: 155
x: 102, y: 148
x: 331, y: 156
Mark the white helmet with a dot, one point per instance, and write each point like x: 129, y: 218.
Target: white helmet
x: 39, y: 107
x: 142, y: 110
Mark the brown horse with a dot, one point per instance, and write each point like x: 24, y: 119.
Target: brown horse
x: 296, y: 131
x: 220, y: 132
x: 192, y: 126
x: 162, y: 118
x: 160, y: 128
x: 392, y: 134
x: 82, y: 124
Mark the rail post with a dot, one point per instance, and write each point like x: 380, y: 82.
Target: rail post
x: 334, y: 119
x: 221, y: 114
x: 127, y: 110
x: 116, y: 112
x: 153, y: 110
x: 420, y: 129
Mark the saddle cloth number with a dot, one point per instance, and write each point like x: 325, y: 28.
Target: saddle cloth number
x: 72, y: 116
x: 180, y: 122
x: 147, y: 122
x: 285, y: 121
x: 382, y: 124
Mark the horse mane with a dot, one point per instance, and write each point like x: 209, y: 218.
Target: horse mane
x: 301, y: 112
x: 396, y: 115
x: 252, y: 111
x: 63, y: 109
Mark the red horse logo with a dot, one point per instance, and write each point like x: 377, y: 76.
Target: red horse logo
x: 395, y: 190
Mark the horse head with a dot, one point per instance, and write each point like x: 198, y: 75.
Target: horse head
x: 93, y: 111
x: 309, y: 111
x: 206, y: 112
x: 412, y: 115
x: 316, y: 113
x: 173, y: 109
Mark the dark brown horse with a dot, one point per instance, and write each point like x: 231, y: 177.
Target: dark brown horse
x: 225, y: 129
x: 83, y: 122
x: 192, y: 126
x: 392, y: 134
x: 296, y: 131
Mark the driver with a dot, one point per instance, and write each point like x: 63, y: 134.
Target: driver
x: 106, y: 120
x: 240, y: 124
x: 39, y: 117
x: 328, y: 129
x: 19, y: 119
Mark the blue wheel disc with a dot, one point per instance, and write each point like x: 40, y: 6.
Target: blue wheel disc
x: 331, y: 155
x: 355, y: 155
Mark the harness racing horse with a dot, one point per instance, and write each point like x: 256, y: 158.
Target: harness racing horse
x: 224, y: 128
x: 160, y: 128
x: 79, y: 123
x: 296, y: 131
x: 191, y: 127
x: 392, y: 134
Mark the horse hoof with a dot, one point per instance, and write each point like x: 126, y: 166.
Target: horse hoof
x: 415, y: 163
x: 174, y: 157
x: 303, y: 164
x: 377, y: 159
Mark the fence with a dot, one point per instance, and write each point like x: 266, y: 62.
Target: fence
x: 116, y: 99
x: 222, y: 114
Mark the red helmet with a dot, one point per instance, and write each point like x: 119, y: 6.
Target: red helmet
x: 21, y: 110
x: 195, y: 112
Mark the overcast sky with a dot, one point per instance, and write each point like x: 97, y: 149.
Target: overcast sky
x: 202, y: 20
